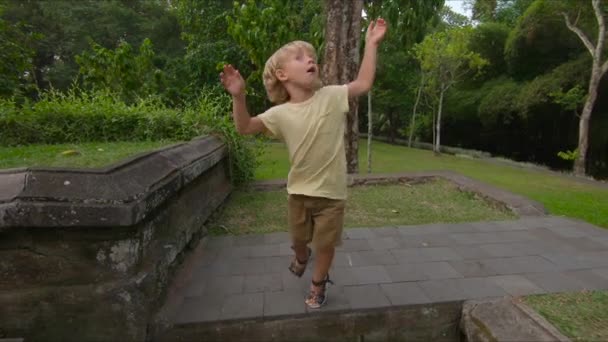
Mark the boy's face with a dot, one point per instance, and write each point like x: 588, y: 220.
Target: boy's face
x: 300, y: 68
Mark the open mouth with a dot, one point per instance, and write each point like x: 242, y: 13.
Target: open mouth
x: 311, y: 70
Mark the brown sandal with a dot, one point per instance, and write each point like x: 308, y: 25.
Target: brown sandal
x: 318, y: 293
x: 297, y: 267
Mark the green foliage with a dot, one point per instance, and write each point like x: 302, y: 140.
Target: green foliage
x: 568, y: 155
x: 532, y: 47
x: 488, y: 39
x: 66, y: 27
x: 542, y: 89
x: 509, y: 11
x: 503, y: 99
x: 521, y: 106
x: 261, y: 27
x: 205, y: 30
x: 462, y: 103
x: 408, y: 19
x: 496, y: 107
x: 121, y: 71
x: 451, y: 19
x: 398, y: 74
x: 570, y: 100
x: 484, y: 10
x: 16, y: 55
x: 211, y: 107
x: 79, y: 116
x: 445, y: 57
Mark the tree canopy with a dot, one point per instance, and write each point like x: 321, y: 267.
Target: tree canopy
x: 526, y: 102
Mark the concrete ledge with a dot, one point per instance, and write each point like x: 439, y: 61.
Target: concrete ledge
x: 505, y: 320
x: 518, y: 204
x: 87, y: 254
x: 120, y: 195
x: 428, y: 322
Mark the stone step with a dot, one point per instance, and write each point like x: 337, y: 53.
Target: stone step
x: 424, y: 322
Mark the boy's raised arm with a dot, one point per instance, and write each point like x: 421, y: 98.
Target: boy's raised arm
x: 367, y: 72
x: 234, y: 83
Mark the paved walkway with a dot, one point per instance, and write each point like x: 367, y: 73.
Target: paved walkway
x: 242, y: 277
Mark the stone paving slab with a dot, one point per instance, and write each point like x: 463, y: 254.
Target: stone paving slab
x: 246, y: 277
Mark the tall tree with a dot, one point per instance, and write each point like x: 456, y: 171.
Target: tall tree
x: 445, y: 59
x: 414, y: 112
x: 409, y: 21
x: 341, y: 58
x: 598, y: 70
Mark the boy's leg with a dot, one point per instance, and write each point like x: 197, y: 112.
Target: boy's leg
x: 328, y: 220
x: 301, y: 251
x: 323, y: 261
x: 300, y: 227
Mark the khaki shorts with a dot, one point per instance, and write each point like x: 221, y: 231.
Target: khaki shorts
x: 316, y: 220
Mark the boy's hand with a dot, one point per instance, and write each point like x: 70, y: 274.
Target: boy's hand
x: 375, y: 31
x: 232, y: 80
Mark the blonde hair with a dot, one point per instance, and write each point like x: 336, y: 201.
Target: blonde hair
x: 274, y: 87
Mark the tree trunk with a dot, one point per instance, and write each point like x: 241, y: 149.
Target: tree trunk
x: 599, y: 68
x: 369, y: 131
x: 396, y: 125
x: 433, y: 127
x: 391, y: 125
x: 438, y: 129
x: 413, y: 123
x: 580, y: 164
x: 341, y: 59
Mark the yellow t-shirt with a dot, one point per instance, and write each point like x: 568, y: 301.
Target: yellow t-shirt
x: 313, y: 131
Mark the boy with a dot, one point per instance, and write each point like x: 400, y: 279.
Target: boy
x: 310, y: 119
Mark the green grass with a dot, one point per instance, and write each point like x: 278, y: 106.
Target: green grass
x: 367, y: 206
x: 89, y: 155
x: 560, y: 195
x: 581, y: 316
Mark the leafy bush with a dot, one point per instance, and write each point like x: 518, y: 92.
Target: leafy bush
x: 122, y: 70
x: 77, y: 117
x: 496, y: 108
x: 212, y: 108
x: 488, y: 39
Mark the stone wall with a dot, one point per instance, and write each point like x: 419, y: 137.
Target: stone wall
x: 437, y: 322
x: 87, y: 254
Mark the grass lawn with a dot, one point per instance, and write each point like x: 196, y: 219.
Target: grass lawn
x: 582, y: 316
x: 560, y: 195
x: 368, y: 206
x: 89, y: 155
